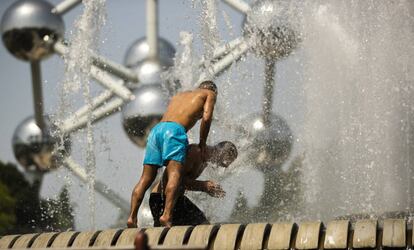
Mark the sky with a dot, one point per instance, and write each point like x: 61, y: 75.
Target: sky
x: 118, y: 160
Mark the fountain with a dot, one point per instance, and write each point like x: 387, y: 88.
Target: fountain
x: 358, y: 94
x: 346, y: 152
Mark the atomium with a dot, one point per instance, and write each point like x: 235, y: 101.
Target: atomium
x: 142, y: 113
x: 139, y: 51
x: 268, y: 25
x: 27, y: 27
x: 38, y: 150
x: 270, y: 145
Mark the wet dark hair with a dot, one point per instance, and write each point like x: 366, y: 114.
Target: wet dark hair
x: 228, y: 146
x: 210, y: 85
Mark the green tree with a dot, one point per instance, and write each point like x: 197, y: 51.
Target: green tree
x: 23, y: 211
x: 58, y: 213
x: 7, y: 215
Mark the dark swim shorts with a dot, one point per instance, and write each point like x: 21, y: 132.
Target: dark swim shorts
x: 185, y: 212
x: 166, y: 141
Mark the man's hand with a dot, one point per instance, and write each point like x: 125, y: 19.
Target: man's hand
x: 214, y: 189
x: 132, y: 222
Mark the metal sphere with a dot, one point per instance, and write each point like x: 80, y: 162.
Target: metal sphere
x: 38, y: 150
x: 269, y: 26
x: 139, y: 50
x: 271, y: 144
x: 142, y: 113
x: 27, y: 26
x: 149, y: 71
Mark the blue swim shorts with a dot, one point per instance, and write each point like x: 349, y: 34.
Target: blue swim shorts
x: 166, y: 141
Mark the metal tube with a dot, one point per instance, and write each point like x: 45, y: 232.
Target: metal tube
x: 96, y: 102
x: 65, y: 6
x: 101, y: 188
x: 115, y: 85
x: 222, y: 50
x: 114, y: 68
x: 60, y: 48
x: 37, y: 93
x: 97, y: 115
x: 270, y: 67
x: 238, y: 5
x: 220, y: 66
x: 152, y: 28
x: 102, y: 63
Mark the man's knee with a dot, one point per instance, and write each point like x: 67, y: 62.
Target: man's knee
x: 174, y: 167
x: 149, y: 173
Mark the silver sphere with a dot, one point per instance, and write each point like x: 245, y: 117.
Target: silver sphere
x: 139, y: 50
x: 149, y: 71
x: 27, y: 28
x: 142, y: 113
x: 270, y: 26
x: 270, y: 145
x: 38, y: 150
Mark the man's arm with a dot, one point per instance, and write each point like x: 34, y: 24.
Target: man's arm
x: 209, y: 187
x: 194, y: 185
x: 207, y: 118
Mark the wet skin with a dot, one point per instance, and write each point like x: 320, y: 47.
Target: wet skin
x: 188, y: 107
x: 185, y: 108
x: 193, y: 166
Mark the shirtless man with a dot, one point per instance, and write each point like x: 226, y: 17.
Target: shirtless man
x: 167, y: 145
x: 186, y: 212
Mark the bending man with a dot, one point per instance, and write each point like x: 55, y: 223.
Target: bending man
x: 167, y: 145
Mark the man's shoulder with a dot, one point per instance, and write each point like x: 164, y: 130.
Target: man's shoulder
x: 197, y: 93
x: 187, y: 94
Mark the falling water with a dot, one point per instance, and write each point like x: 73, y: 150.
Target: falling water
x: 184, y: 69
x: 354, y: 140
x: 359, y: 110
x: 83, y: 44
x: 209, y: 31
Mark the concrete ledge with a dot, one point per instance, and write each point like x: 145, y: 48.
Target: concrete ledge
x: 338, y: 234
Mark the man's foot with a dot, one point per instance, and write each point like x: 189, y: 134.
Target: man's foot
x: 165, y: 221
x: 132, y: 222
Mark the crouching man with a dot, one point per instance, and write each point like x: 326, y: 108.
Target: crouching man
x: 185, y: 211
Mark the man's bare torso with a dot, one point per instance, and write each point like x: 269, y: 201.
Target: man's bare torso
x: 186, y: 108
x: 193, y: 167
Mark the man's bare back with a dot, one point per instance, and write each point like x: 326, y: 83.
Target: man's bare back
x: 186, y: 108
x: 186, y: 212
x: 192, y: 167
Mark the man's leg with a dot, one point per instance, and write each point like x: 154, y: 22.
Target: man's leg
x: 195, y: 215
x: 147, y: 178
x: 174, y: 173
x: 187, y: 213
